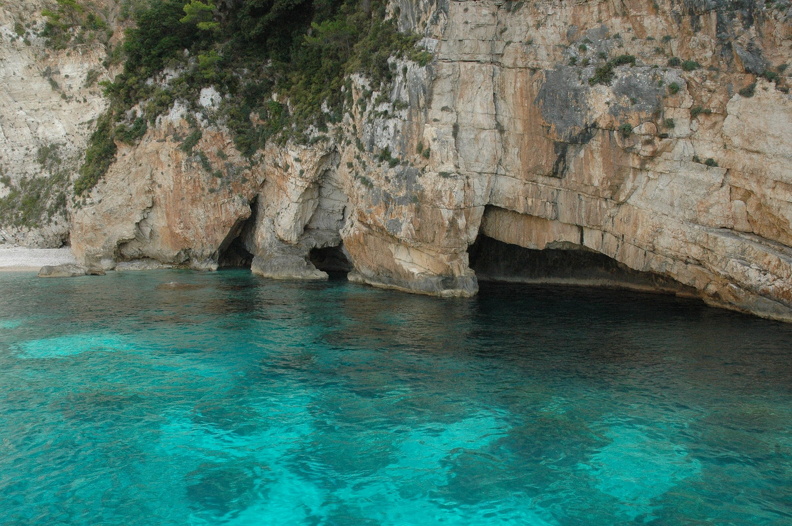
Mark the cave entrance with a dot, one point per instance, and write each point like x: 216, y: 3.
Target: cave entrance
x: 235, y: 250
x: 332, y: 260
x: 494, y: 260
x: 235, y: 256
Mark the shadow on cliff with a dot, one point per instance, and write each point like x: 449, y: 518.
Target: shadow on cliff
x: 332, y: 260
x: 494, y: 260
x: 236, y: 250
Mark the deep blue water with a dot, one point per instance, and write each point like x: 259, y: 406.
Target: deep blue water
x: 236, y: 400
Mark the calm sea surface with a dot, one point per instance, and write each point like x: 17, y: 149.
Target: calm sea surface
x: 229, y: 399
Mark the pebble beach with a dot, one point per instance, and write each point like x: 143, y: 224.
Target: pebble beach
x: 22, y: 259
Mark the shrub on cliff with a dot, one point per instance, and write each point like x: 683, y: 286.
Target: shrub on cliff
x: 71, y: 21
x: 604, y: 74
x: 98, y: 157
x: 303, y: 50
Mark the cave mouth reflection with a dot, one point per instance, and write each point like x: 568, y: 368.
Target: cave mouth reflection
x: 332, y: 260
x: 494, y: 260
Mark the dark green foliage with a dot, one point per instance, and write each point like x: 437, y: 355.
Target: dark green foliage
x: 674, y: 62
x: 626, y: 130
x: 204, y: 160
x: 690, y: 65
x: 673, y: 88
x: 191, y: 141
x: 33, y: 200
x: 772, y: 76
x: 99, y: 156
x: 71, y: 21
x: 48, y: 157
x: 131, y: 134
x: 386, y: 157
x: 604, y: 74
x: 201, y: 14
x: 303, y: 50
x: 695, y: 111
x: 158, y: 37
x: 748, y: 91
x: 90, y: 78
x: 711, y: 162
x: 623, y: 59
x: 668, y: 123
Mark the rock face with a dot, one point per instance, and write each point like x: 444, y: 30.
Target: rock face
x: 49, y: 99
x: 525, y: 129
x: 62, y: 271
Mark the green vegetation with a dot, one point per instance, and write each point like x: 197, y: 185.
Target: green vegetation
x: 71, y: 22
x: 748, y: 91
x: 711, y: 162
x: 131, y: 134
x: 98, y: 157
x: 770, y: 75
x: 626, y: 129
x: 191, y: 141
x: 690, y: 65
x: 90, y: 78
x: 386, y: 157
x: 668, y: 123
x: 604, y: 74
x: 673, y: 88
x: 258, y: 53
x: 32, y: 201
x: 695, y: 111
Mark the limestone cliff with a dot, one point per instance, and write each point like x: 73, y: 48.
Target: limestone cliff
x: 657, y: 134
x: 49, y: 99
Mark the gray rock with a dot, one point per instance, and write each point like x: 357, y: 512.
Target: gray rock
x: 62, y: 271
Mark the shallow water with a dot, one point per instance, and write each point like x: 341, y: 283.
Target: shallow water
x: 236, y: 400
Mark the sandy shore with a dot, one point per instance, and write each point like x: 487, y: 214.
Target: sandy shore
x: 20, y: 259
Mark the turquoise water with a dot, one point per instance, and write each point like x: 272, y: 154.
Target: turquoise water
x: 234, y: 400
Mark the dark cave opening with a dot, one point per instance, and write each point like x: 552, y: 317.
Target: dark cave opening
x: 332, y: 260
x: 494, y: 260
x: 236, y: 255
x: 234, y: 251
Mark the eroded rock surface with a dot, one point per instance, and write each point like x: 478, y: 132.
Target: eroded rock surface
x: 49, y: 100
x: 667, y: 171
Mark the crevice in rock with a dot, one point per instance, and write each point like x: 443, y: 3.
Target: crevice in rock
x: 235, y: 250
x: 494, y: 260
x: 332, y: 260
x: 323, y: 231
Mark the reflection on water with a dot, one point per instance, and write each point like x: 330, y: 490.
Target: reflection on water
x: 219, y: 398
